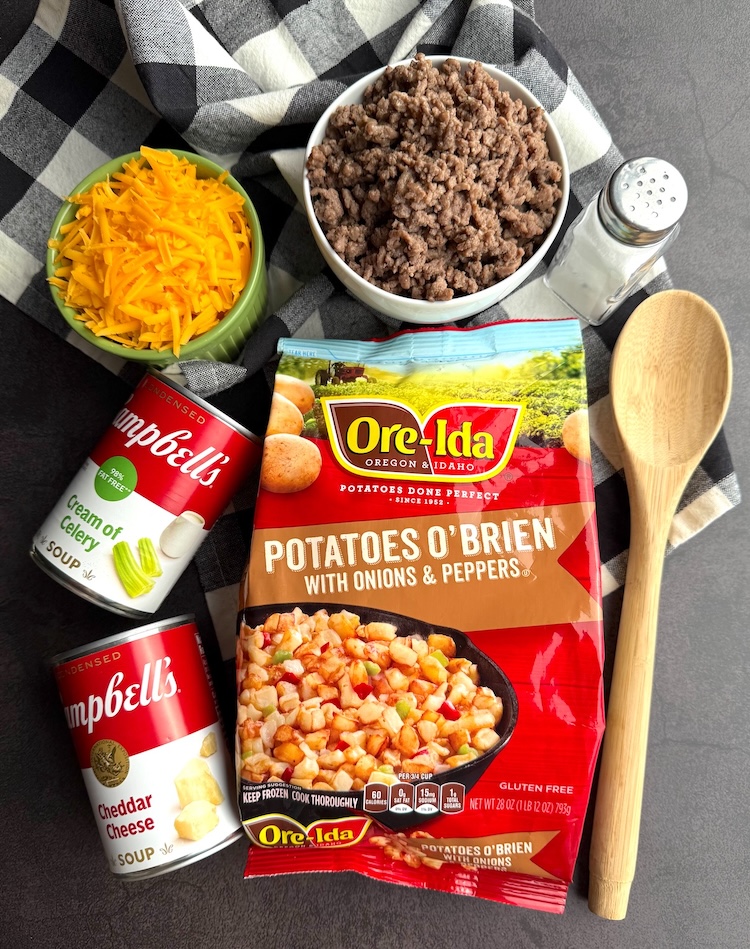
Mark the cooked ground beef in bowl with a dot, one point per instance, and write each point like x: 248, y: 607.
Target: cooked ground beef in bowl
x: 438, y: 184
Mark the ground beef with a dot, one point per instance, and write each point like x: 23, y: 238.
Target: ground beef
x: 438, y: 184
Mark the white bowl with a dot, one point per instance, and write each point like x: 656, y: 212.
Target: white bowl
x: 444, y: 311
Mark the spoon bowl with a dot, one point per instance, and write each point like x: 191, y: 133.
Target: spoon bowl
x: 670, y: 383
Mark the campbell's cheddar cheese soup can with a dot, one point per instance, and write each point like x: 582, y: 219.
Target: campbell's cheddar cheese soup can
x: 142, y: 714
x: 144, y: 501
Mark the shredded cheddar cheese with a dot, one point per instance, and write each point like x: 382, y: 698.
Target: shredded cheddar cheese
x: 155, y: 256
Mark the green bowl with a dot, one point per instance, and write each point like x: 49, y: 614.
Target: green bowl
x: 221, y: 344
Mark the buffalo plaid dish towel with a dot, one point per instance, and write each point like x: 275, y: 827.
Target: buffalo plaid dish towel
x: 243, y: 82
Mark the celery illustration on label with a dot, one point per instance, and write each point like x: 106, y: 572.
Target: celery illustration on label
x: 134, y: 580
x: 150, y: 563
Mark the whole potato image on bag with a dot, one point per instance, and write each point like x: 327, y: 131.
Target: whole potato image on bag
x: 298, y: 392
x: 285, y: 417
x: 419, y: 649
x: 575, y: 434
x: 289, y: 464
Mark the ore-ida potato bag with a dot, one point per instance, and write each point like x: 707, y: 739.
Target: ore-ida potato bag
x: 419, y: 655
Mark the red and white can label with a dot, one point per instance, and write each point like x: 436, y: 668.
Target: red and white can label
x: 142, y: 504
x: 146, y: 730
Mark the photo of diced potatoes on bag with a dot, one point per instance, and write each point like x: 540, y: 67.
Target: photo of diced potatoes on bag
x: 330, y: 703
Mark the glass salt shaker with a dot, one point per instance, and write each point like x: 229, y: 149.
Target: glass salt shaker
x: 616, y: 239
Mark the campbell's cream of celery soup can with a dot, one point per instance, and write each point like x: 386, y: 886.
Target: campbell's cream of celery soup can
x: 142, y: 504
x: 142, y: 714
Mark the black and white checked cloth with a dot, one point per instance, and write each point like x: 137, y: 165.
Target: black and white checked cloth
x: 243, y: 82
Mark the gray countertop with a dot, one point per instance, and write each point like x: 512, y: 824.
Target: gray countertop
x: 668, y: 80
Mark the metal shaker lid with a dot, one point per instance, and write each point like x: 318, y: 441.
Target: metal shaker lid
x: 643, y: 201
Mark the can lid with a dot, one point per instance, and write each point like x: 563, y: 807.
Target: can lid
x: 119, y: 638
x: 643, y: 201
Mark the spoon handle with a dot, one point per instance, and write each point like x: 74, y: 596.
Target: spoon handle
x: 614, y: 843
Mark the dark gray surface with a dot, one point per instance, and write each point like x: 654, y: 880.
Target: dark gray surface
x: 668, y: 80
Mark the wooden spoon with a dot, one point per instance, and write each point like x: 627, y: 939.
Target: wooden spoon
x: 670, y: 383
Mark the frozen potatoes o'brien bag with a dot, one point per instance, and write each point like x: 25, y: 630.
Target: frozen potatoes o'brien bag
x: 420, y: 642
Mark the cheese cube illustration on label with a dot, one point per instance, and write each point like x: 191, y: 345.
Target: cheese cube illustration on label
x: 196, y: 820
x: 208, y: 746
x: 196, y: 783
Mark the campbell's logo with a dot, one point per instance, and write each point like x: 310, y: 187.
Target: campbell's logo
x: 204, y: 466
x: 157, y: 682
x: 278, y: 830
x: 386, y: 439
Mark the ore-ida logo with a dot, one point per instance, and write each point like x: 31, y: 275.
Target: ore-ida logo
x: 279, y: 830
x: 384, y: 438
